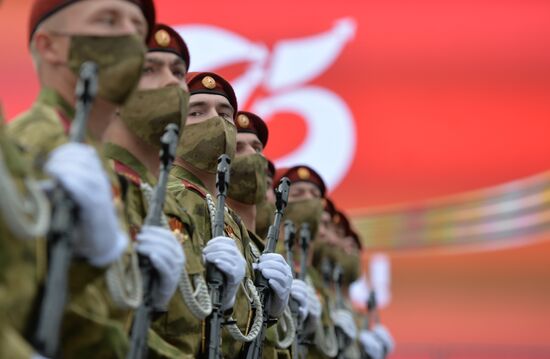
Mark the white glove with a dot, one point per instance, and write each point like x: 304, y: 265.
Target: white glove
x: 167, y: 257
x: 224, y: 254
x: 371, y: 345
x: 279, y: 275
x: 313, y: 304
x: 299, y: 293
x: 383, y: 334
x: 77, y: 167
x: 343, y: 319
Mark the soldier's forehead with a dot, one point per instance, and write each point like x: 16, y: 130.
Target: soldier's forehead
x: 304, y: 185
x: 247, y: 137
x: 208, y: 98
x: 77, y: 10
x: 164, y: 58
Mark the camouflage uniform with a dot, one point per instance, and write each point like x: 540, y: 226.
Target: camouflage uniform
x: 88, y: 330
x: 14, y: 265
x: 191, y: 194
x: 133, y: 174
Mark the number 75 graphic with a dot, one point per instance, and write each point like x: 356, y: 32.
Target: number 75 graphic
x: 284, y: 75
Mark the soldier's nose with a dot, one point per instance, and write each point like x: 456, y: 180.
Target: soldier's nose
x: 171, y: 80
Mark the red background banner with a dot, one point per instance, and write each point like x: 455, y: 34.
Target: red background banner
x: 445, y: 97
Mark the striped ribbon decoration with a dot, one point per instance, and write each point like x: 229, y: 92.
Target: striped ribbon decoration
x: 507, y: 214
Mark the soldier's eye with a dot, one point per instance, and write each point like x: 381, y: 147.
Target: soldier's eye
x: 148, y: 70
x: 195, y: 113
x: 107, y: 19
x: 179, y: 74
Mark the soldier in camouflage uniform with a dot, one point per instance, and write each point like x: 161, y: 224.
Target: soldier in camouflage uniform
x: 18, y: 228
x: 329, y: 254
x: 64, y: 34
x: 133, y: 144
x: 248, y: 189
x: 373, y: 340
x: 210, y: 132
x: 306, y: 206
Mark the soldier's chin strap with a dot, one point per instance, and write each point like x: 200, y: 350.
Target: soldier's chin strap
x: 27, y: 217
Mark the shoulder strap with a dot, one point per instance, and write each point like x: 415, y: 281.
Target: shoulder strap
x: 127, y: 172
x: 65, y: 122
x: 193, y: 187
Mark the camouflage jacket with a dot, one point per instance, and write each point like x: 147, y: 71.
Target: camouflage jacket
x: 191, y: 194
x: 14, y: 265
x: 85, y: 333
x: 133, y: 174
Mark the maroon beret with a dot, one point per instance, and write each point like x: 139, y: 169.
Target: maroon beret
x: 353, y: 234
x: 270, y: 169
x: 301, y: 173
x: 328, y: 206
x: 342, y: 220
x: 247, y: 122
x: 43, y: 9
x: 211, y: 83
x: 166, y: 39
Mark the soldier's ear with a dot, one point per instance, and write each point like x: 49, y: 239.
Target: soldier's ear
x: 50, y: 48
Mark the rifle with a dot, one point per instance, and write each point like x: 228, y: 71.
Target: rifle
x: 214, y: 277
x: 326, y: 272
x: 337, y: 279
x: 340, y: 336
x: 63, y: 229
x: 374, y: 308
x: 367, y: 323
x: 305, y: 238
x: 142, y: 320
x: 290, y: 236
x: 255, y: 347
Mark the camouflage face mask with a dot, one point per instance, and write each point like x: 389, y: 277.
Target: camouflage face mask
x: 248, y: 179
x: 350, y: 264
x: 119, y: 59
x: 265, y: 212
x: 202, y: 143
x: 305, y: 211
x: 323, y: 251
x: 147, y: 112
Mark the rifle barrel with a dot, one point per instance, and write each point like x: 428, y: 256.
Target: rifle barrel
x: 142, y: 320
x: 214, y: 277
x: 63, y: 231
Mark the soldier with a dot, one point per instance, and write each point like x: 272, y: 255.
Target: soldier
x: 62, y: 36
x: 133, y: 143
x: 343, y: 268
x: 374, y: 338
x: 306, y: 206
x: 210, y: 132
x: 247, y: 190
x: 18, y: 224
